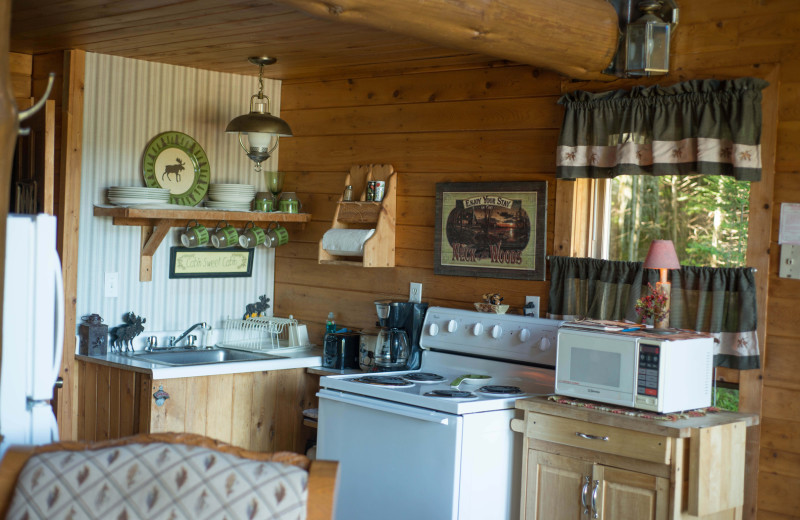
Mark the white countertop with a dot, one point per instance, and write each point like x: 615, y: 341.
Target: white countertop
x: 290, y: 358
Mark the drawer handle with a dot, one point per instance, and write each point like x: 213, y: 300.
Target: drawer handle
x: 592, y: 437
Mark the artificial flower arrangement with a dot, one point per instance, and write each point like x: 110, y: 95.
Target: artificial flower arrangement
x: 652, y: 306
x: 492, y: 302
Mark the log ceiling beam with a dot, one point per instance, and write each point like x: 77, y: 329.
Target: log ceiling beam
x: 577, y: 38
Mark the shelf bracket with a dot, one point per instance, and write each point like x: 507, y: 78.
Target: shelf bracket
x: 151, y: 239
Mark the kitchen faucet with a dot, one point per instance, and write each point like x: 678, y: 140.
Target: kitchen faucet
x: 173, y: 342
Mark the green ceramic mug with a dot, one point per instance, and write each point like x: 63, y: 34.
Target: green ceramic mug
x: 252, y: 236
x: 224, y: 235
x: 194, y: 235
x: 276, y: 236
x: 264, y: 202
x: 289, y: 203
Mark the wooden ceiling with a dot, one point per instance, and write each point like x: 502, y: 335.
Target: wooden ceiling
x: 220, y: 35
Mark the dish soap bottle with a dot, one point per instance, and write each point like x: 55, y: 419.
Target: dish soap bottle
x: 330, y: 325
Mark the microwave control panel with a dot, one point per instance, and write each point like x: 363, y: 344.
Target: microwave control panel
x: 647, y: 384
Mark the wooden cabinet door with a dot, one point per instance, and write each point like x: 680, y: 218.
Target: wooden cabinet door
x: 555, y: 484
x: 629, y: 495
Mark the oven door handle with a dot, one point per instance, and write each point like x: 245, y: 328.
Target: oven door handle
x: 384, y: 406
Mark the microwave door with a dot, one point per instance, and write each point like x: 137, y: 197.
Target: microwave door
x: 598, y: 367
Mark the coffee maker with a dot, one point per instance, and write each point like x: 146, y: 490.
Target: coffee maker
x: 397, y: 346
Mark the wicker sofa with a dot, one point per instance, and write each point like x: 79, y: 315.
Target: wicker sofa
x: 163, y: 476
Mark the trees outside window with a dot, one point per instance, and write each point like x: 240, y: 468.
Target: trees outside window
x: 705, y: 216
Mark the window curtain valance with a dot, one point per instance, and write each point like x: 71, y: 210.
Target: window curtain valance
x: 701, y: 126
x: 719, y: 301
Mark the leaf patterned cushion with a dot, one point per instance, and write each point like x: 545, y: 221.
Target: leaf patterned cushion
x: 157, y: 481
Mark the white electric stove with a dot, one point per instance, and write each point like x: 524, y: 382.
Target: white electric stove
x: 411, y: 445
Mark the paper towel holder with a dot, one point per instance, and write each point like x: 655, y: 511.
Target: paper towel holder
x: 379, y: 249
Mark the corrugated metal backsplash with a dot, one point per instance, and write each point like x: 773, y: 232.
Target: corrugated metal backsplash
x: 127, y: 103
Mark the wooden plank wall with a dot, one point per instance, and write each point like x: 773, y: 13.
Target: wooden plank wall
x: 20, y: 67
x: 501, y: 124
x: 260, y: 411
x: 497, y: 124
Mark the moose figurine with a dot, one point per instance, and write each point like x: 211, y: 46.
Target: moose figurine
x: 174, y: 168
x: 254, y: 310
x: 122, y: 335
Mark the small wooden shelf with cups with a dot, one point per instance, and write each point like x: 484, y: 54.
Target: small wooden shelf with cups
x: 156, y: 223
x: 363, y: 214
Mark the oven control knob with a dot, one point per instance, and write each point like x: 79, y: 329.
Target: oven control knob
x: 477, y: 329
x: 452, y: 326
x: 544, y: 344
x: 497, y: 331
x: 433, y: 329
x: 524, y: 335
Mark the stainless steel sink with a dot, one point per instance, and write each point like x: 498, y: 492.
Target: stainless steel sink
x: 202, y: 356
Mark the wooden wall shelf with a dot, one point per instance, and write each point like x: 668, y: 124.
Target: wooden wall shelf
x: 379, y: 249
x: 156, y: 223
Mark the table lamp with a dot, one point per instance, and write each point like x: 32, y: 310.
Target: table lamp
x: 662, y: 256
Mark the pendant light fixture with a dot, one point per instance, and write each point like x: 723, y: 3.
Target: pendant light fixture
x: 261, y: 128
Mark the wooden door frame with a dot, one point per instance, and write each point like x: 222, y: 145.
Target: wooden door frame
x: 68, y: 214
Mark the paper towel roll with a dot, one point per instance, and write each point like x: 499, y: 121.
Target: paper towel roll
x: 346, y: 242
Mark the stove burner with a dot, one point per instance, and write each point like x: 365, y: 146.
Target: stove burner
x: 423, y: 377
x: 500, y: 390
x: 393, y: 381
x: 452, y: 394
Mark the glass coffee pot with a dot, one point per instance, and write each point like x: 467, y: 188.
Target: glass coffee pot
x: 391, y: 348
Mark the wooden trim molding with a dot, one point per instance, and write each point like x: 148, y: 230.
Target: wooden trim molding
x: 68, y: 214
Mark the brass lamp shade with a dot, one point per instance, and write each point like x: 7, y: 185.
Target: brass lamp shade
x: 257, y: 122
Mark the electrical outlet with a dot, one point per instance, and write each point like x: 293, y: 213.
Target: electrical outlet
x: 415, y: 292
x: 111, y: 285
x: 532, y: 306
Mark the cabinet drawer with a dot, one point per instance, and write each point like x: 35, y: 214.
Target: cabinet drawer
x: 598, y: 437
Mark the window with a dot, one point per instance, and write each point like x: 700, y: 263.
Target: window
x: 705, y: 216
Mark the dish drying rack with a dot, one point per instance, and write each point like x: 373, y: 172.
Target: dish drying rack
x: 264, y: 333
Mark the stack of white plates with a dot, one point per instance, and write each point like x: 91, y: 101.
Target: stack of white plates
x: 122, y: 195
x: 237, y: 197
x: 231, y: 192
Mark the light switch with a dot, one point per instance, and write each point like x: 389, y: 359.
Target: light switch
x: 111, y: 285
x: 790, y: 262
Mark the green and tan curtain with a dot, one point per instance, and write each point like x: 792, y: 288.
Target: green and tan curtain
x: 593, y: 288
x: 719, y: 301
x: 701, y: 126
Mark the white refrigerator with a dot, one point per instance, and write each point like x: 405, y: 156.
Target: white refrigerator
x: 33, y: 331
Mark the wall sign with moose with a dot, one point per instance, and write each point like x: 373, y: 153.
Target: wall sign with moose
x: 175, y: 161
x: 491, y: 230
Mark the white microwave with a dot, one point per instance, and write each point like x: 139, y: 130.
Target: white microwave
x: 643, y: 371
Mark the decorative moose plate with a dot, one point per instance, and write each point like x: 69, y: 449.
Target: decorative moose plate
x: 175, y: 161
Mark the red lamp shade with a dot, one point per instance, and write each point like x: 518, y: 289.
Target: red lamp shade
x: 661, y: 256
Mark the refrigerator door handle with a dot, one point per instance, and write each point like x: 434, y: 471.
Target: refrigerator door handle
x: 59, y: 336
